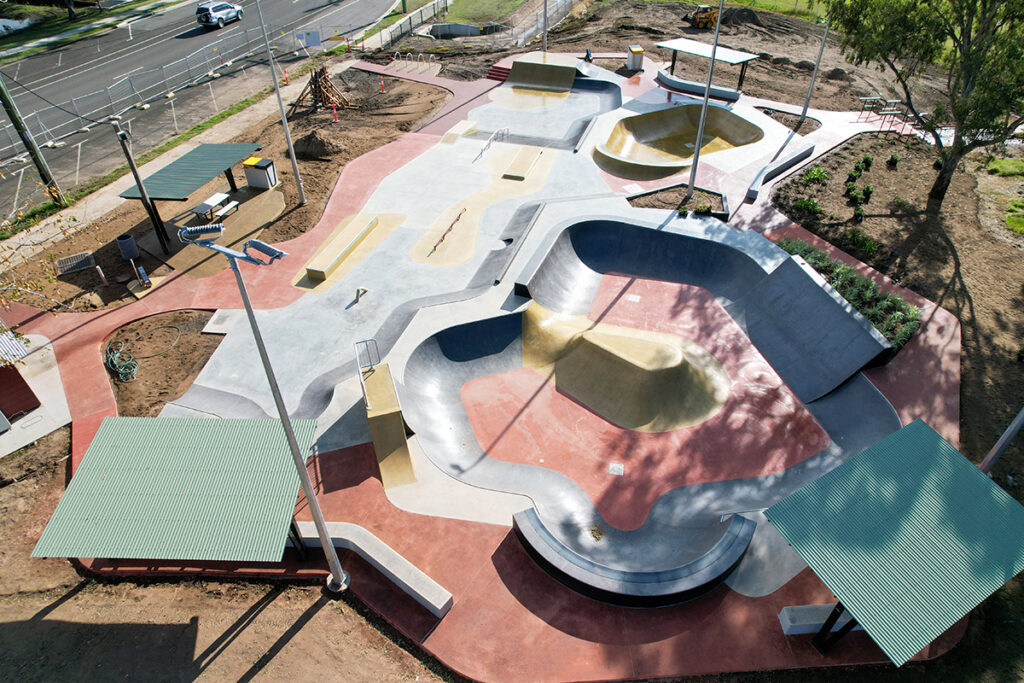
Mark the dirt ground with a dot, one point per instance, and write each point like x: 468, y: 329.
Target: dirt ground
x: 55, y: 625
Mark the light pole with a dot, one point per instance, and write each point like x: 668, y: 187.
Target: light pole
x: 338, y: 580
x: 814, y: 76
x: 280, y: 104
x: 704, y: 109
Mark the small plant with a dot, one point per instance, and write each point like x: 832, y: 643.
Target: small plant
x: 816, y: 175
x: 859, y: 167
x: 900, y: 205
x: 858, y: 213
x: 850, y: 187
x: 893, y: 160
x: 684, y: 212
x: 807, y: 205
x: 853, y: 175
x: 856, y: 196
x: 868, y: 191
x: 861, y: 242
x: 702, y: 210
x: 867, y: 161
x: 937, y: 164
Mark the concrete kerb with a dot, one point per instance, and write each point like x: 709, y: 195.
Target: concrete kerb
x: 76, y: 217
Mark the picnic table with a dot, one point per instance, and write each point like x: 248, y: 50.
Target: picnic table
x: 210, y: 204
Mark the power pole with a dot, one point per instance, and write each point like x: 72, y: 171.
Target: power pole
x: 30, y: 144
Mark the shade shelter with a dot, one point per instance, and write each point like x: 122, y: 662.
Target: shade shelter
x: 180, y: 489
x: 908, y: 535
x: 695, y: 47
x: 183, y: 176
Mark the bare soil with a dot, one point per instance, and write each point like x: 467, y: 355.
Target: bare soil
x: 56, y: 625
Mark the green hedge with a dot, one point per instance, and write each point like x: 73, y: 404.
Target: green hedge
x: 891, y: 315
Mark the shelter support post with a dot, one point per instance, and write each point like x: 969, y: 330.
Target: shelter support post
x: 231, y: 180
x: 825, y: 639
x: 673, y: 69
x: 296, y: 539
x: 743, y: 73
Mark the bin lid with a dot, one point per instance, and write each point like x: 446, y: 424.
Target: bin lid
x: 636, y: 49
x: 263, y: 163
x: 251, y: 161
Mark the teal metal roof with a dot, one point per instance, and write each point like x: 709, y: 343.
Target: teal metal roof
x: 180, y: 489
x: 183, y: 176
x: 908, y: 535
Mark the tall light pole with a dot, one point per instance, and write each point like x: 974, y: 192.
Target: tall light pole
x: 338, y: 580
x: 280, y: 104
x: 704, y: 109
x: 147, y: 203
x: 814, y: 76
x: 993, y: 455
x: 545, y: 48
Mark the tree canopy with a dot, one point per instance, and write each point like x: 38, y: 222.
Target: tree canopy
x: 977, y: 44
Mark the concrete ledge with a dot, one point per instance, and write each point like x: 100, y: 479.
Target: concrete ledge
x: 807, y: 619
x: 669, y: 81
x: 322, y: 265
x: 778, y: 167
x: 399, y: 570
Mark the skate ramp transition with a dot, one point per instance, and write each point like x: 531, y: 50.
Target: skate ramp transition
x: 666, y: 139
x: 543, y: 71
x: 640, y: 567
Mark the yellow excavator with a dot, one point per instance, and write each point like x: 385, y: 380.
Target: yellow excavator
x: 704, y: 16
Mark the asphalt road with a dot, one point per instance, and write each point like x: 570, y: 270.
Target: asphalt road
x: 91, y: 64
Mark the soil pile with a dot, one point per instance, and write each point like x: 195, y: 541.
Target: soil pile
x: 316, y: 144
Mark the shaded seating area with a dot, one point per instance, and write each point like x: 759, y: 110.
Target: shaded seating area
x: 183, y: 176
x: 699, y: 49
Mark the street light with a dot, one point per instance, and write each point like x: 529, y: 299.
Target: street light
x: 200, y: 234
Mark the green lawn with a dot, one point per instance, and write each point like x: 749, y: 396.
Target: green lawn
x: 55, y: 20
x: 480, y: 11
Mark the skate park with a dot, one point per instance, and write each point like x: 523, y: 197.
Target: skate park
x: 503, y: 395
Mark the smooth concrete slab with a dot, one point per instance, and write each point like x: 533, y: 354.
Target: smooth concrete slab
x: 39, y: 370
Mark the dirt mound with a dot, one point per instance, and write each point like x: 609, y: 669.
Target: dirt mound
x: 838, y: 74
x: 736, y: 16
x: 316, y: 144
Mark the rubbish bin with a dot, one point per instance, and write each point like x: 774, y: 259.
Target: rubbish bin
x: 635, y: 58
x: 260, y: 172
x: 129, y: 249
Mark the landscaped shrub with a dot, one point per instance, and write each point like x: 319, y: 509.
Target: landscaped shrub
x: 900, y: 205
x: 893, y: 160
x: 853, y: 175
x: 892, y: 316
x: 858, y: 213
x: 815, y: 175
x: 861, y: 242
x: 850, y: 187
x: 856, y: 196
x: 702, y: 209
x: 807, y: 205
x: 868, y: 191
x: 867, y: 161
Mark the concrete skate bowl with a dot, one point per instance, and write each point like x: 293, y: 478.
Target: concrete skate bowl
x: 756, y: 283
x: 663, y: 142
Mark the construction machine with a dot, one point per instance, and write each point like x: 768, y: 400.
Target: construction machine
x: 705, y: 16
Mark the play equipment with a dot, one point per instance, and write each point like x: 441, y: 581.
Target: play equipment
x: 704, y: 16
x: 319, y: 92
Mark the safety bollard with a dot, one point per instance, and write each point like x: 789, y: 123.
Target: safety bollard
x: 334, y: 108
x: 382, y: 84
x: 286, y: 76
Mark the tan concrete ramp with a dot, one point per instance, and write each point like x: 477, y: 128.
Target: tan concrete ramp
x: 387, y: 427
x: 635, y: 379
x: 543, y: 71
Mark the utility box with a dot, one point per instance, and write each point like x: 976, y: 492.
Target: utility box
x: 635, y: 58
x: 260, y: 173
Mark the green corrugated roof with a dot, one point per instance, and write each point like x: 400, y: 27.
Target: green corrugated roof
x: 183, y: 176
x: 180, y: 489
x: 908, y: 535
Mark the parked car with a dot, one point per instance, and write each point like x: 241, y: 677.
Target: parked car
x: 217, y: 13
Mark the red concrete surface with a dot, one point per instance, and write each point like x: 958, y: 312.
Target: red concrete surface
x: 520, y: 416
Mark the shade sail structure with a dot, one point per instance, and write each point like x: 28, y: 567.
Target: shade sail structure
x: 908, y: 535
x: 185, y: 175
x: 695, y: 47
x: 180, y: 489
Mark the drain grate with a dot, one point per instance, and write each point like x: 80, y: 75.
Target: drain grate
x: 75, y: 263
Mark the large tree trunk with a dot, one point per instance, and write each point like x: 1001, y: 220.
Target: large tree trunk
x: 942, y: 181
x: 70, y: 4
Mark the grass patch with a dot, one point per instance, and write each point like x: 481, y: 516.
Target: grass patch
x: 396, y: 16
x: 891, y: 315
x: 57, y: 22
x: 1005, y: 167
x: 36, y: 214
x: 1015, y: 219
x: 808, y: 10
x: 480, y: 11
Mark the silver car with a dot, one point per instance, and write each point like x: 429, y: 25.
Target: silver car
x: 217, y: 13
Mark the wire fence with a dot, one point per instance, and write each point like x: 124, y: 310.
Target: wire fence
x: 157, y: 104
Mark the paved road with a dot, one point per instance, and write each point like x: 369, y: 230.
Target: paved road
x: 92, y: 64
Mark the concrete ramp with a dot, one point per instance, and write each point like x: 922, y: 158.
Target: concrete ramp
x: 387, y: 427
x: 811, y: 335
x: 543, y: 71
x: 635, y: 379
x: 667, y: 139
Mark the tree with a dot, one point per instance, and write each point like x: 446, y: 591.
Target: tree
x: 70, y: 4
x: 977, y: 44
